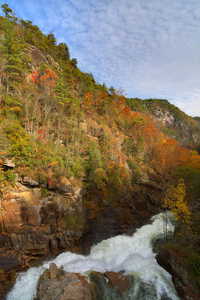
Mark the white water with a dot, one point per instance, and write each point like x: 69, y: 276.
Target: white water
x: 134, y: 255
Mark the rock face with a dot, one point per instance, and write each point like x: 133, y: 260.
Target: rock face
x: 185, y: 285
x: 36, y: 221
x: 170, y: 120
x: 38, y: 57
x: 11, y: 259
x: 121, y: 212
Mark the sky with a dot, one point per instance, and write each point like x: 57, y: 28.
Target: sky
x: 150, y: 48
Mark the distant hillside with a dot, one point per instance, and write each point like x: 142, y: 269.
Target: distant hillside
x: 170, y: 119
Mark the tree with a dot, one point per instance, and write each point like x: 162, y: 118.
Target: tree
x: 14, y: 61
x: 33, y: 35
x: 63, y: 51
x: 112, y: 91
x: 104, y: 87
x: 120, y: 92
x: 174, y: 201
x: 73, y: 62
x: 7, y: 10
x: 51, y: 38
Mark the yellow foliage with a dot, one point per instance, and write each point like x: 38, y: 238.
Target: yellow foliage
x: 174, y: 201
x: 16, y: 108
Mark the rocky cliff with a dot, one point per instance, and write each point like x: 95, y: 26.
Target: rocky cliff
x: 185, y: 284
x: 38, y: 222
x: 174, y: 123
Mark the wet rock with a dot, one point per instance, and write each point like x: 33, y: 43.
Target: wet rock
x: 10, y: 260
x: 6, y: 282
x: 184, y: 284
x: 119, y: 280
x: 57, y: 284
x: 53, y: 270
x: 110, y: 285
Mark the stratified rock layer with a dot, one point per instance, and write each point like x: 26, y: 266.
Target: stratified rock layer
x: 35, y: 223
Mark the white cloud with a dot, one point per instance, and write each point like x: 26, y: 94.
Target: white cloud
x: 150, y: 48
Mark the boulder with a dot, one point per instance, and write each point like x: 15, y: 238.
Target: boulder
x: 29, y: 181
x: 54, y: 283
x: 111, y: 285
x: 119, y: 280
x: 8, y: 163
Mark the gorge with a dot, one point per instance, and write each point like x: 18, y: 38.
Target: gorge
x: 83, y: 169
x: 132, y: 255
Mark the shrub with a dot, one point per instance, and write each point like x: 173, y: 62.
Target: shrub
x: 7, y: 177
x: 16, y: 135
x: 193, y: 263
x: 74, y: 220
x: 135, y: 170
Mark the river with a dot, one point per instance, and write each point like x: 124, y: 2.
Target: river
x: 132, y: 254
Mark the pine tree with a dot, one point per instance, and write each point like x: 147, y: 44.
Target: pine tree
x: 12, y: 51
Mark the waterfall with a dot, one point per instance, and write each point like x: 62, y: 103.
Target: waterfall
x: 132, y: 254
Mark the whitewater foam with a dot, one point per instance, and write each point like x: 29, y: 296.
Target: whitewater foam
x: 131, y: 254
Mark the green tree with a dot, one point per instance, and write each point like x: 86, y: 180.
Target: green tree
x: 14, y: 60
x: 7, y: 11
x: 73, y: 62
x: 63, y: 51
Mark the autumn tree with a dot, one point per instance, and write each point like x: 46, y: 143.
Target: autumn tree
x: 174, y: 201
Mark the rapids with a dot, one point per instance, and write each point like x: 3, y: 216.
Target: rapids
x: 132, y: 254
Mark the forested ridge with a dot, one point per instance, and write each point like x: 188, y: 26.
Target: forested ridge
x: 56, y: 120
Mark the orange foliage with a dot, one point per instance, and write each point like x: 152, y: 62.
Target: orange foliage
x: 53, y: 163
x: 150, y: 130
x: 49, y: 79
x: 87, y: 102
x: 88, y: 96
x: 34, y: 76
